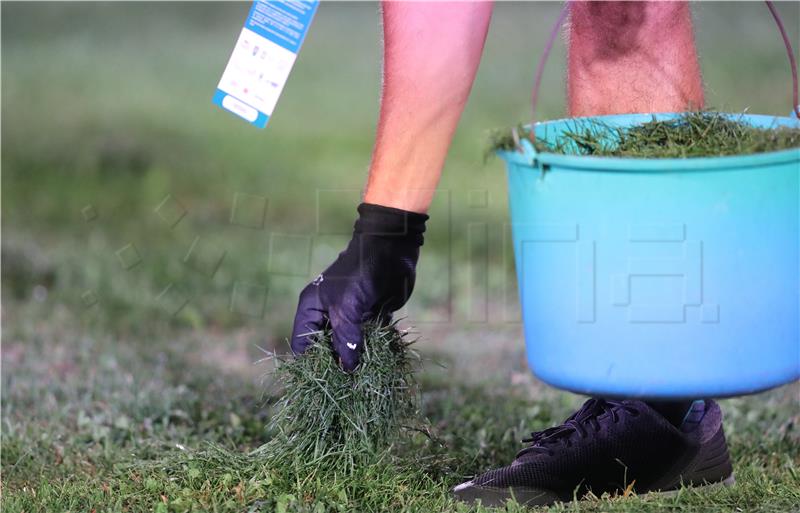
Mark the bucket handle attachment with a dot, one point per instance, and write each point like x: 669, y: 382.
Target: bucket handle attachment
x: 523, y: 145
x: 557, y: 28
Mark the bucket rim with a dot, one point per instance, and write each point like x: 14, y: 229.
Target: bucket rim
x: 534, y: 159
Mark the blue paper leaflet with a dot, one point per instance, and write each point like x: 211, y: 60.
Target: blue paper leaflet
x: 263, y: 57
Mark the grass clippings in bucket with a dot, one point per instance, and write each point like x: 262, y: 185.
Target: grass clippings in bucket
x: 693, y: 134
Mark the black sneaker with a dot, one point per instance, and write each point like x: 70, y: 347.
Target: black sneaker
x: 609, y: 446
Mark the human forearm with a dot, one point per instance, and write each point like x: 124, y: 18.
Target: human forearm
x: 632, y: 57
x: 431, y: 54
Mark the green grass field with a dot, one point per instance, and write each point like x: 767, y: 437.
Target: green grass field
x: 152, y: 244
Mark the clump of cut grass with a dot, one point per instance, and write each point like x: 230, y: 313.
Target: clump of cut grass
x: 335, y: 437
x: 693, y: 134
x: 337, y: 420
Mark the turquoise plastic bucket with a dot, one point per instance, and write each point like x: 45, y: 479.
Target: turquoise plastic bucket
x: 659, y: 278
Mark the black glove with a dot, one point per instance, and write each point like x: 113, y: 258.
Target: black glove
x: 370, y: 279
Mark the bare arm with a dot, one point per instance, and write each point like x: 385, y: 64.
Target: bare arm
x: 431, y: 54
x: 629, y: 57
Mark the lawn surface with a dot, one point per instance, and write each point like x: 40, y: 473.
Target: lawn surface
x: 152, y: 245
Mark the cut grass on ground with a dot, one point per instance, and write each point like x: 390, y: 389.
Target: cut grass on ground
x: 90, y: 423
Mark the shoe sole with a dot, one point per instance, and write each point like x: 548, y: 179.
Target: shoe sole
x: 495, y: 497
x: 728, y: 481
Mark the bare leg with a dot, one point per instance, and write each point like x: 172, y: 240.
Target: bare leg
x: 431, y: 54
x: 629, y: 57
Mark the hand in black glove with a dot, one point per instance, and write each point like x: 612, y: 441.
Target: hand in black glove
x: 372, y: 277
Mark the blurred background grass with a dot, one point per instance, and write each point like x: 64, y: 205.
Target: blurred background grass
x: 106, y: 107
x: 109, y: 138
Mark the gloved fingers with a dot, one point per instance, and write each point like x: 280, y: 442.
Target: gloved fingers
x: 348, y: 341
x: 310, y: 317
x: 403, y: 286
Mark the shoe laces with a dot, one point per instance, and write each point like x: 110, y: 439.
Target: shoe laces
x: 577, y: 424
